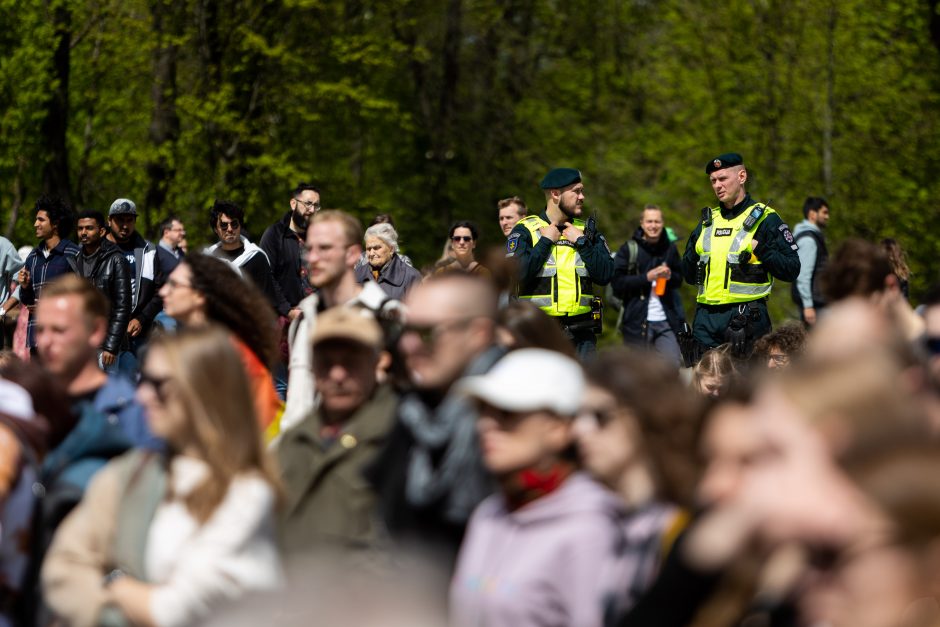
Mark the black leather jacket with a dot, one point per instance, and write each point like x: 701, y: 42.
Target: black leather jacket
x: 110, y: 272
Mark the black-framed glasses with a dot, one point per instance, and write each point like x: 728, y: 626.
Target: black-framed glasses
x: 309, y: 204
x: 173, y: 283
x: 461, y: 238
x: 225, y: 226
x: 157, y: 383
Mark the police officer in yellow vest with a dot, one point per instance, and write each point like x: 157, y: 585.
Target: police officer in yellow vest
x: 732, y: 258
x: 561, y: 257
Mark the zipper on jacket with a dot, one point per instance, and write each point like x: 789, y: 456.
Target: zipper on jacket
x: 727, y: 274
x: 555, y: 288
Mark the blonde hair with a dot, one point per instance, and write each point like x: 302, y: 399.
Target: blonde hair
x: 213, y: 391
x: 350, y: 225
x: 718, y: 363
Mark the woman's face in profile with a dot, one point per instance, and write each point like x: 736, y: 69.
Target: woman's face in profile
x: 158, y: 394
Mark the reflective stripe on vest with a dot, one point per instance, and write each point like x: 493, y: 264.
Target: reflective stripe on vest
x: 564, y: 287
x: 727, y: 280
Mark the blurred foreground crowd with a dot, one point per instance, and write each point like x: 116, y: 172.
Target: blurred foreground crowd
x: 311, y: 431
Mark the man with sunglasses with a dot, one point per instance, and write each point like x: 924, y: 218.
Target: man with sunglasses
x: 561, y: 257
x: 431, y: 475
x: 146, y: 279
x: 283, y: 243
x: 227, y: 219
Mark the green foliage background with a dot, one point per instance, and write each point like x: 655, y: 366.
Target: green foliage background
x: 433, y: 110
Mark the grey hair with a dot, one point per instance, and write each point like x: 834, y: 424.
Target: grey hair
x: 385, y: 232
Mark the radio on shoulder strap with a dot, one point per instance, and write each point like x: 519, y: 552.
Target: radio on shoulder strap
x: 754, y: 216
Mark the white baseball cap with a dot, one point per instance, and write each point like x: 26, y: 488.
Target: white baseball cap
x: 15, y: 401
x: 530, y: 379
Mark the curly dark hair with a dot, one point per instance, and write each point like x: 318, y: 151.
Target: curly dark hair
x: 235, y: 303
x: 789, y: 337
x: 227, y: 207
x: 59, y: 212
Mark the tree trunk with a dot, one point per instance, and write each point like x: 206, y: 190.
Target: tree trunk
x: 55, y: 174
x: 442, y: 140
x: 164, y: 123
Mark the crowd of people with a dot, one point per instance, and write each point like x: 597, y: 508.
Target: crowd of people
x: 310, y: 429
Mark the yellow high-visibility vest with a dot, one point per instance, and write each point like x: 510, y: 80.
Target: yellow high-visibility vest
x: 727, y: 279
x: 564, y: 287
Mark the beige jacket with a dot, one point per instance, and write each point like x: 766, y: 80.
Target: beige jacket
x: 80, y: 555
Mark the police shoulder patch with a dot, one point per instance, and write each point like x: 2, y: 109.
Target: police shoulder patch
x: 512, y: 244
x: 787, y: 235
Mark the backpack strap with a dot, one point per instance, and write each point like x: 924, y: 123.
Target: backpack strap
x: 633, y: 248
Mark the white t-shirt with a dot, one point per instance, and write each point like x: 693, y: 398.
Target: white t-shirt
x: 655, y: 311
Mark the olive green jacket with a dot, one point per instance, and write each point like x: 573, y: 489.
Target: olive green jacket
x: 329, y: 504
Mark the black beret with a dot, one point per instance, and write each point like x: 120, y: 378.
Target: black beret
x: 560, y: 177
x: 727, y: 160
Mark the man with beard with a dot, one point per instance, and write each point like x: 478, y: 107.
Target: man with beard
x: 102, y: 262
x: 227, y: 220
x: 561, y: 257
x: 810, y: 237
x: 283, y: 243
x: 141, y: 256
x: 333, y: 246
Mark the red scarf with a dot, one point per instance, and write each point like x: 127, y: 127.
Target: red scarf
x: 527, y: 485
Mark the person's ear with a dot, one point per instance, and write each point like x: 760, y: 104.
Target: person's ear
x: 382, y: 366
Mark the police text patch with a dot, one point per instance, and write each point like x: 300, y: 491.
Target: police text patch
x: 723, y: 232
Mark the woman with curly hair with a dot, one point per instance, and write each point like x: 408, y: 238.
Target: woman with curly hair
x: 203, y: 289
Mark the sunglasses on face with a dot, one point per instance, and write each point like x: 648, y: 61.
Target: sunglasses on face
x: 429, y: 333
x: 225, y: 226
x: 507, y: 420
x: 157, y: 383
x: 461, y: 238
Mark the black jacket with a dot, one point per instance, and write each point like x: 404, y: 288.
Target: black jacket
x: 634, y: 289
x: 283, y: 248
x: 109, y: 271
x: 146, y: 280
